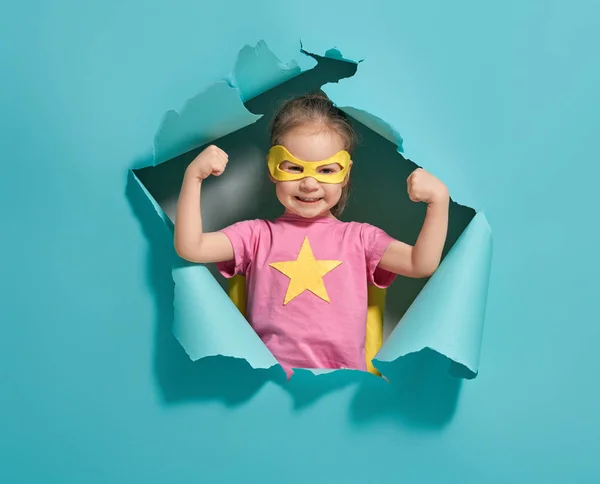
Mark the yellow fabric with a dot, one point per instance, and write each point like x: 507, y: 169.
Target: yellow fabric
x: 278, y: 154
x: 306, y: 273
x: 374, y: 336
x: 376, y: 305
x: 237, y: 293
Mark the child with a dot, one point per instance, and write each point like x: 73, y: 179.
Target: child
x: 307, y: 272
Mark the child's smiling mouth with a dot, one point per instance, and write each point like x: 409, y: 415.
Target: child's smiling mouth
x: 308, y: 200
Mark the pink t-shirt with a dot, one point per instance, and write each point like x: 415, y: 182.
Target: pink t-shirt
x: 306, y: 286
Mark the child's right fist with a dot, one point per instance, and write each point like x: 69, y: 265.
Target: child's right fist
x: 211, y: 161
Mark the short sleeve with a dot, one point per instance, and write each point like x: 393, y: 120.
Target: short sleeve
x: 376, y: 242
x: 243, y: 237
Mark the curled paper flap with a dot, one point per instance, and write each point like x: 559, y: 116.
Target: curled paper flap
x: 378, y: 125
x: 168, y: 225
x: 448, y: 314
x: 207, y: 323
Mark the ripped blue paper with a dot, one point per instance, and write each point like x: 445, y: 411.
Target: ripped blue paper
x: 257, y: 70
x: 205, y: 321
x: 448, y: 314
x: 208, y: 116
x: 354, y: 54
x: 376, y: 124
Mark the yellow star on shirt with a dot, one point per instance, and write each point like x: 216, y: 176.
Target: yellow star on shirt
x: 306, y: 273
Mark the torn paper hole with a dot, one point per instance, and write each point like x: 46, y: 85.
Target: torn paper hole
x: 445, y: 314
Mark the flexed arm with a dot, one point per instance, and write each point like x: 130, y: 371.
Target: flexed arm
x: 422, y: 259
x: 190, y: 241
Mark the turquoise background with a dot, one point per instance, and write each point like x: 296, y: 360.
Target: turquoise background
x: 500, y: 101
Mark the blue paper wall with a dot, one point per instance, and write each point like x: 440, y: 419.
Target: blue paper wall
x: 499, y: 101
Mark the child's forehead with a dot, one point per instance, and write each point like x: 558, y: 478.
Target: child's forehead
x: 312, y: 145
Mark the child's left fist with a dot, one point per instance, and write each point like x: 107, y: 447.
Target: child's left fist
x: 424, y: 187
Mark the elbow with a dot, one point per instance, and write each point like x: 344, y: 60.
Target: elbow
x: 188, y: 253
x: 180, y: 248
x: 425, y: 271
x: 181, y: 251
x: 423, y: 267
x: 428, y: 273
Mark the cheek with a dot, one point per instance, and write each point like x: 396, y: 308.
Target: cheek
x: 333, y: 191
x: 286, y: 188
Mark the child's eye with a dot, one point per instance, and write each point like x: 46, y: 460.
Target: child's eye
x: 291, y: 168
x: 329, y: 170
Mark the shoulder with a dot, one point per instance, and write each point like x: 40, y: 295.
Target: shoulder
x: 251, y: 229
x: 371, y: 237
x: 368, y: 228
x: 363, y: 228
x: 251, y: 224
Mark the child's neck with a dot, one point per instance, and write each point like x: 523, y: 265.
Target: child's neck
x: 325, y: 215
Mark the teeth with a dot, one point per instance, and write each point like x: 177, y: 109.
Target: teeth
x: 308, y: 199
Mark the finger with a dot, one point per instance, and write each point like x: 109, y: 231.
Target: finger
x: 219, y: 167
x: 219, y: 162
x: 222, y: 152
x: 413, y: 185
x: 223, y: 157
x: 216, y: 151
x: 413, y: 176
x: 415, y: 196
x: 416, y: 173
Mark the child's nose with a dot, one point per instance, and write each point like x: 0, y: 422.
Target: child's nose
x: 309, y: 183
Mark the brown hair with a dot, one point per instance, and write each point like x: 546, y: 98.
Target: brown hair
x: 316, y: 108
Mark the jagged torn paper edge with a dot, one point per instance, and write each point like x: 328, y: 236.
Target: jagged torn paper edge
x: 447, y: 316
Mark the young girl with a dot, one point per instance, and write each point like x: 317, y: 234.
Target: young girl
x: 307, y: 272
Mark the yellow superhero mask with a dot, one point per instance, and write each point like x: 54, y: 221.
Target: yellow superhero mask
x: 278, y: 154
